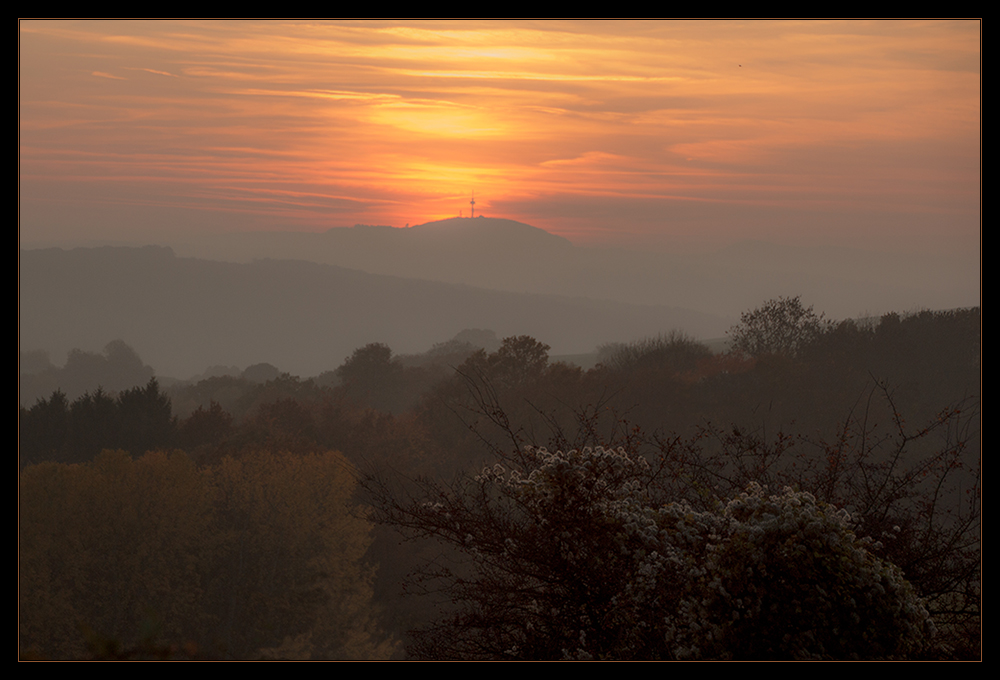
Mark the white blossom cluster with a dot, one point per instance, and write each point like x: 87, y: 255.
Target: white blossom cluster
x: 786, y: 578
x: 762, y: 576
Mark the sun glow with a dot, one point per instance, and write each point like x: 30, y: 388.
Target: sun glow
x: 375, y: 122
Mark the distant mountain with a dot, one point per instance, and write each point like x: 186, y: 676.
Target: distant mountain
x: 479, y: 232
x: 512, y: 256
x: 184, y: 314
x: 481, y: 251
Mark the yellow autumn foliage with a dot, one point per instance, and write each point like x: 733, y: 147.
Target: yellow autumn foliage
x: 261, y: 556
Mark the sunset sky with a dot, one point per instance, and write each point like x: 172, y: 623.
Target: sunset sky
x: 642, y: 134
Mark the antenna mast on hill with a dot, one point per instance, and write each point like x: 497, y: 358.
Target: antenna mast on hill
x: 472, y: 204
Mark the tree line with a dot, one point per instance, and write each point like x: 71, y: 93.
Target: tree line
x: 878, y: 417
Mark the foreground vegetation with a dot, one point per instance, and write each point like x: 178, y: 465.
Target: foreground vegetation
x: 260, y: 556
x: 670, y: 503
x: 580, y: 555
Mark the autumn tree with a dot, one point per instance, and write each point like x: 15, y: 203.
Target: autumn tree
x: 205, y: 427
x: 518, y: 360
x: 289, y: 577
x: 371, y: 376
x: 260, y: 556
x: 112, y: 545
x: 781, y: 326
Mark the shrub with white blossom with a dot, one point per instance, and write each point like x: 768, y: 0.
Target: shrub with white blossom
x: 573, y: 555
x: 788, y: 579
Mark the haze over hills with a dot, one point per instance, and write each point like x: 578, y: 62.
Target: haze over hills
x: 184, y: 314
x: 304, y: 301
x: 512, y: 256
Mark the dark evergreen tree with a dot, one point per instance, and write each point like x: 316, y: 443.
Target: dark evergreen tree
x: 43, y: 429
x: 93, y: 426
x: 145, y: 422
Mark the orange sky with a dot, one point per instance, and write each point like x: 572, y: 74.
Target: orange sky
x: 653, y: 134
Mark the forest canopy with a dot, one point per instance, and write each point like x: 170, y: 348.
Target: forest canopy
x: 212, y: 519
x: 257, y: 557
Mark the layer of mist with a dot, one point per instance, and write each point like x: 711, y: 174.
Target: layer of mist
x: 185, y: 314
x: 511, y: 256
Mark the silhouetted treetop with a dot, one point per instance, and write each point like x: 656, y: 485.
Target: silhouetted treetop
x: 780, y: 326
